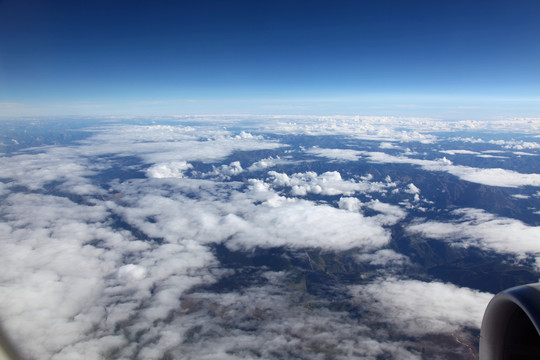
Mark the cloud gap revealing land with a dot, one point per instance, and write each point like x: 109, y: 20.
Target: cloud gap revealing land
x: 263, y: 237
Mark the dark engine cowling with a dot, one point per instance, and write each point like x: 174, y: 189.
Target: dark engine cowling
x: 511, y: 325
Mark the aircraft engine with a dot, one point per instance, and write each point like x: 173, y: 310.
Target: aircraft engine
x: 511, y: 325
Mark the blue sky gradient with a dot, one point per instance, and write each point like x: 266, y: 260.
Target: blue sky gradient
x: 425, y: 58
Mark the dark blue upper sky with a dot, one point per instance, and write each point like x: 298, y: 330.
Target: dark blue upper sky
x: 380, y: 57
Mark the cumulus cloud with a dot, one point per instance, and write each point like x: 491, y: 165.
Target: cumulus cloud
x: 258, y: 217
x: 412, y: 189
x: 328, y: 183
x: 516, y: 144
x: 350, y: 204
x: 481, y: 229
x: 300, y: 224
x: 131, y: 272
x: 226, y: 171
x: 174, y: 169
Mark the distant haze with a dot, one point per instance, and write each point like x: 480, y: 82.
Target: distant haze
x: 451, y: 60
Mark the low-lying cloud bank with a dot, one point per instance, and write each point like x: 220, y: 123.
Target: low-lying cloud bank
x: 491, y: 177
x: 108, y: 245
x: 486, y: 231
x: 420, y: 308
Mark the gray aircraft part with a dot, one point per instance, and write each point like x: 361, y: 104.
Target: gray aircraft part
x: 7, y: 350
x: 511, y: 325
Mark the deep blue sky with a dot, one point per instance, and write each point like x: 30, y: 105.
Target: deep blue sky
x: 435, y: 58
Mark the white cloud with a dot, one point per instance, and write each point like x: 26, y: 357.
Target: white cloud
x: 516, y: 144
x: 384, y: 257
x: 168, y: 149
x: 412, y: 189
x: 490, y: 176
x: 350, y: 204
x: 162, y: 144
x: 420, y: 308
x: 336, y: 154
x: 390, y: 214
x: 51, y: 165
x: 460, y: 151
x: 65, y: 269
x: 388, y: 145
x: 488, y: 156
x: 131, y: 272
x: 484, y: 230
x: 226, y: 171
x: 378, y: 128
x: 114, y: 274
x: 300, y: 224
x: 328, y: 183
x: 269, y: 162
x: 388, y: 128
x: 174, y: 169
x: 270, y: 321
x: 483, y: 154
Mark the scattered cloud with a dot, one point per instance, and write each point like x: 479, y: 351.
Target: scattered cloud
x: 119, y: 266
x: 269, y: 162
x: 336, y: 154
x: 461, y: 152
x: 384, y: 257
x: 481, y: 229
x: 420, y: 308
x: 490, y: 176
x: 516, y: 144
x: 389, y: 128
x: 226, y: 171
x: 174, y: 169
x: 388, y: 145
x: 162, y: 143
x: 328, y: 183
x: 56, y: 164
x: 270, y: 321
